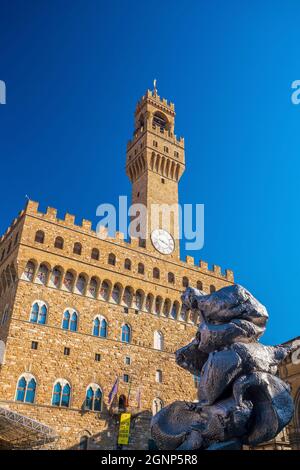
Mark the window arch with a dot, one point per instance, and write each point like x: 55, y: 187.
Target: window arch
x: 26, y: 388
x: 157, y: 405
x: 39, y: 236
x: 116, y: 293
x: 149, y: 303
x: 100, y: 327
x: 156, y: 273
x: 95, y: 254
x: 157, y: 306
x: 93, y: 287
x: 185, y: 282
x: 93, y: 397
x: 158, y: 340
x: 139, y: 298
x: 59, y: 243
x: 29, y: 271
x: 70, y: 320
x: 125, y: 333
x: 38, y: 313
x: 171, y: 278
x: 167, y: 307
x: 127, y: 264
x: 212, y: 288
x: 199, y: 285
x: 175, y: 310
x: 160, y: 120
x: 56, y: 277
x: 77, y: 248
x: 81, y: 284
x: 104, y: 291
x: 141, y: 268
x: 112, y: 259
x: 61, y: 394
x: 127, y: 296
x: 43, y: 273
x: 69, y: 281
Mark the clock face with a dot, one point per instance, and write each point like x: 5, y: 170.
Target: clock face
x: 163, y: 241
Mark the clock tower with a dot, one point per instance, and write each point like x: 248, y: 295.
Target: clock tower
x: 155, y: 163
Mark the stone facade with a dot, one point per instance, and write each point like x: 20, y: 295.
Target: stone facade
x: 63, y: 266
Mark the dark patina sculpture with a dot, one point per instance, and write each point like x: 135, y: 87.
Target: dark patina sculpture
x: 241, y: 400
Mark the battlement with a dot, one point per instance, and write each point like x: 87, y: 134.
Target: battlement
x: 153, y: 96
x: 86, y: 227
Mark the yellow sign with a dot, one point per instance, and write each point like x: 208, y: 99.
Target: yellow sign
x: 124, y: 429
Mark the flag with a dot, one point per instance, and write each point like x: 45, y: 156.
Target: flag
x: 138, y: 397
x: 113, y: 391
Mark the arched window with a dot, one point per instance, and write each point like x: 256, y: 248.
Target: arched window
x: 29, y: 271
x: 127, y: 264
x: 81, y: 284
x: 70, y: 320
x: 39, y: 236
x: 93, y: 286
x: 167, y: 306
x: 127, y: 296
x: 93, y: 398
x: 104, y: 291
x: 26, y: 388
x: 185, y: 282
x: 149, y: 302
x: 156, y: 273
x: 158, y: 376
x: 171, y: 278
x: 95, y: 254
x: 61, y: 393
x: 160, y: 120
x: 158, y: 302
x: 77, y: 248
x: 116, y: 293
x: 59, y: 243
x: 158, y: 340
x: 174, y: 310
x: 42, y: 275
x: 125, y: 336
x: 157, y: 405
x: 139, y: 296
x: 38, y: 313
x: 100, y: 327
x: 66, y: 320
x: 69, y: 281
x: 56, y: 277
x: 199, y: 285
x: 212, y: 288
x: 112, y: 259
x: 141, y: 268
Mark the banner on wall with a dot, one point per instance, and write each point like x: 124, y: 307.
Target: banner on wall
x: 124, y: 429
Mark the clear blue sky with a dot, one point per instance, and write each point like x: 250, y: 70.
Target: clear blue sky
x: 74, y: 71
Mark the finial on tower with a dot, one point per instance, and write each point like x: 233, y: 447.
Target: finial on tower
x: 155, y: 89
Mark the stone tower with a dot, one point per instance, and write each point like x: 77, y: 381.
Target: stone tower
x: 155, y: 163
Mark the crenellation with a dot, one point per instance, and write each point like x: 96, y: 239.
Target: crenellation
x: 86, y: 225
x: 51, y: 213
x: 69, y: 219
